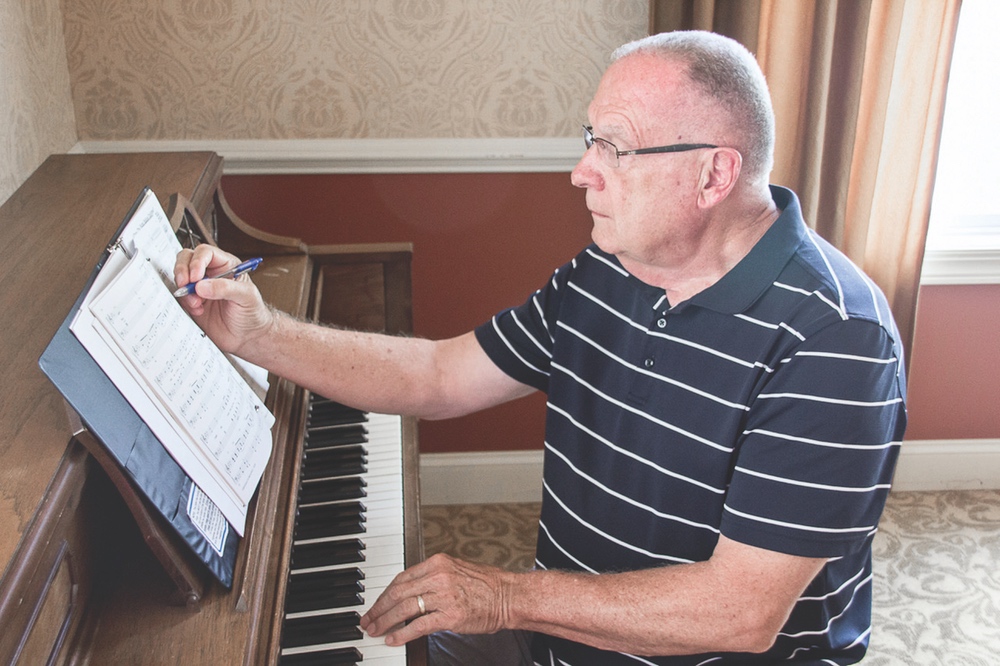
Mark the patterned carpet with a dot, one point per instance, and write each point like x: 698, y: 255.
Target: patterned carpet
x: 937, y: 570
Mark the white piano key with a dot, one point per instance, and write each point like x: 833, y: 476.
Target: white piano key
x: 383, y: 538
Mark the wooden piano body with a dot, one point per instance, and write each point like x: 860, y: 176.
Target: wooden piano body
x: 87, y: 577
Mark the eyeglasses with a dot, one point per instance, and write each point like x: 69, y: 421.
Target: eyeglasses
x: 609, y: 152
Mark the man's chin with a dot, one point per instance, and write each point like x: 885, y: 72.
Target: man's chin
x: 602, y: 243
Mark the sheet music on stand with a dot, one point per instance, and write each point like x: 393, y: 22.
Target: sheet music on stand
x: 185, y: 421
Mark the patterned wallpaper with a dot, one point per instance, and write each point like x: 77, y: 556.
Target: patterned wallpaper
x: 293, y: 69
x: 36, y: 112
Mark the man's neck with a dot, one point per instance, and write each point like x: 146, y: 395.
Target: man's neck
x: 683, y: 277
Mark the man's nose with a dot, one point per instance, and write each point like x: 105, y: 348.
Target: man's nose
x: 587, y: 173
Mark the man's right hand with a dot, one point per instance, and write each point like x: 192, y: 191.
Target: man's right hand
x: 231, y: 312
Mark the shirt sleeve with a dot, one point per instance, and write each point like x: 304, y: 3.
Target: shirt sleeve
x: 519, y: 340
x: 814, y: 464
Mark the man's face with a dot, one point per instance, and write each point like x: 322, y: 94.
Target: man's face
x: 645, y: 209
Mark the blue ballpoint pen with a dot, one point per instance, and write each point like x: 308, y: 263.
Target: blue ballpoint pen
x: 232, y: 273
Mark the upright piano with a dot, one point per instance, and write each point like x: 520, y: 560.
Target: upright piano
x: 90, y: 573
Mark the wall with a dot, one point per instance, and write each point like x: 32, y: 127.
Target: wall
x: 396, y: 70
x: 36, y: 110
x: 483, y: 242
x: 294, y: 69
x: 955, y: 364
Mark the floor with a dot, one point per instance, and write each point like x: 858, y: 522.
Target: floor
x: 937, y: 569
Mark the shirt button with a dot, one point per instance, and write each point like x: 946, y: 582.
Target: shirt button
x: 648, y: 363
x: 661, y: 322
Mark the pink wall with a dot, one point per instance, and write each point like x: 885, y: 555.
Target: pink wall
x: 954, y: 381
x: 481, y: 243
x: 486, y: 241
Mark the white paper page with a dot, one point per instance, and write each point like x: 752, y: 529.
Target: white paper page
x: 254, y: 375
x: 149, y: 230
x: 222, y: 423
x: 89, y: 333
x: 188, y: 373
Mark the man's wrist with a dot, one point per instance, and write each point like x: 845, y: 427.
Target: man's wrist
x: 519, y: 594
x: 265, y: 342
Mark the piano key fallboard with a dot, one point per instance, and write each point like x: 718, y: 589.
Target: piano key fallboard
x: 347, y: 542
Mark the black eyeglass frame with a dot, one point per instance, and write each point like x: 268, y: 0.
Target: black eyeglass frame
x: 589, y: 139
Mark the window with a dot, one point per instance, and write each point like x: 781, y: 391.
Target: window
x: 963, y: 241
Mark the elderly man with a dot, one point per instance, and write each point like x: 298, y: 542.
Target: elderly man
x: 725, y: 399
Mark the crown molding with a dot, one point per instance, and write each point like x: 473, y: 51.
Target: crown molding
x: 311, y: 156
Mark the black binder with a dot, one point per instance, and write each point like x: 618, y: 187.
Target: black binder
x: 132, y: 446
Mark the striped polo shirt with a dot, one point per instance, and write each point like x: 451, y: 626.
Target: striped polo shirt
x: 768, y: 407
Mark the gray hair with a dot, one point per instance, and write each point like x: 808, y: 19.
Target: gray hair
x: 728, y: 73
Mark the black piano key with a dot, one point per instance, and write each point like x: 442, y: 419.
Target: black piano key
x: 329, y: 657
x: 313, y: 472
x: 326, y: 403
x: 336, y: 598
x: 332, y: 490
x: 304, y: 595
x: 327, y: 553
x: 326, y: 413
x: 318, y: 582
x: 339, y: 526
x: 335, y: 436
x: 347, y: 596
x: 321, y: 419
x: 329, y: 520
x: 322, y: 512
x: 332, y: 456
x: 321, y: 629
x: 326, y: 470
x: 325, y: 463
x: 324, y: 579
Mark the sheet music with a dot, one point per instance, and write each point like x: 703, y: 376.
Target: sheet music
x: 186, y: 390
x: 149, y: 229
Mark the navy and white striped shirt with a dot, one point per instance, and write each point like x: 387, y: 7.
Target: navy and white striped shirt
x: 768, y: 407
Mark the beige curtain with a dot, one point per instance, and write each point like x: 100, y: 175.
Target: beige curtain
x: 858, y: 89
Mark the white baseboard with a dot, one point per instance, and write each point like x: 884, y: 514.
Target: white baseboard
x: 481, y: 478
x: 516, y: 476
x: 948, y: 464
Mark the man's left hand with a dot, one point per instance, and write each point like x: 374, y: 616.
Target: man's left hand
x: 442, y: 593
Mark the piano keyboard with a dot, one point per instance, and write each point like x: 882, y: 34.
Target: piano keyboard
x: 347, y: 543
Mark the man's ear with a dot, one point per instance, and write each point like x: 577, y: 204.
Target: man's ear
x: 719, y: 176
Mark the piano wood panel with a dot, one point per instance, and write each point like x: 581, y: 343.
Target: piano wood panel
x: 69, y: 547
x: 53, y: 229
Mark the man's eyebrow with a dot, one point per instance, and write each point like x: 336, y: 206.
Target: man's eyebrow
x: 612, y: 132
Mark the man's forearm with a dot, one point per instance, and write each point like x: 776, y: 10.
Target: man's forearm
x: 643, y: 613
x: 736, y: 601
x: 374, y: 372
x: 383, y: 373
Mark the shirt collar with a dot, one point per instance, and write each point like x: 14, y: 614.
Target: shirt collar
x: 738, y: 289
